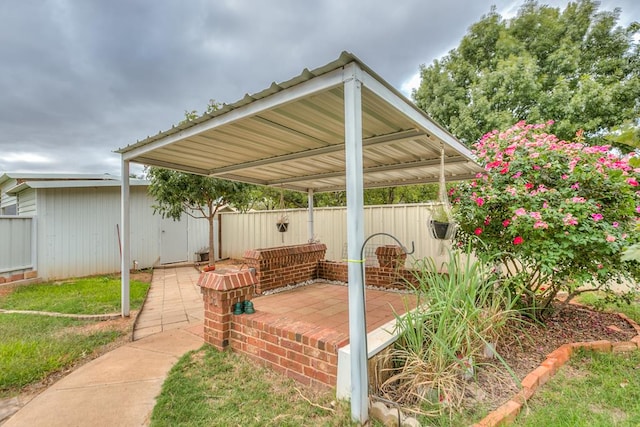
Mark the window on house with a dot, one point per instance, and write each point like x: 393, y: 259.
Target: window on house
x: 10, y: 210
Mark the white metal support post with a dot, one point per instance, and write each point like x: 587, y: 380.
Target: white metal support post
x: 310, y: 228
x: 355, y: 240
x: 125, y: 239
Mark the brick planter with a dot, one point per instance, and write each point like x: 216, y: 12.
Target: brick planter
x: 302, y: 351
x: 285, y: 265
x: 381, y: 277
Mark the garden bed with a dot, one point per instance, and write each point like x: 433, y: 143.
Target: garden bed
x: 525, y: 350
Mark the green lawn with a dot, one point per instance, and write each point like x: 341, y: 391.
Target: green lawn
x: 92, y: 295
x: 33, y: 347
x: 212, y: 388
x: 597, y: 300
x: 594, y: 389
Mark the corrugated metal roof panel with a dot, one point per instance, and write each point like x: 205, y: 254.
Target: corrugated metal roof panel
x: 291, y: 135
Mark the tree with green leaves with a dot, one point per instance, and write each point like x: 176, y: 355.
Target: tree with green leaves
x: 200, y: 197
x: 197, y: 196
x: 577, y: 67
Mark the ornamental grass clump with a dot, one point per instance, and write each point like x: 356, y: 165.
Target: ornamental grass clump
x: 460, y: 310
x: 556, y: 215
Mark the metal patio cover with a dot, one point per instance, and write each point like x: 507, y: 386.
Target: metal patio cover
x: 338, y: 127
x: 292, y: 136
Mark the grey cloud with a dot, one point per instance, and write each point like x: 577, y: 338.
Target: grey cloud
x: 81, y: 78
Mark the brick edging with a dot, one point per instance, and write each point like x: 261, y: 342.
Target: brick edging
x: 507, y: 412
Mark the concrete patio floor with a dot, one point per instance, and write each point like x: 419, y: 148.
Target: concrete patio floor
x: 173, y: 302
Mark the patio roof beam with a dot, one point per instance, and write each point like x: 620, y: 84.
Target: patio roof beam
x: 382, y: 139
x: 170, y: 165
x: 397, y: 102
x: 382, y: 168
x: 395, y: 183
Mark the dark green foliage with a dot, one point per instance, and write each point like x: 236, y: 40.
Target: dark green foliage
x: 576, y: 67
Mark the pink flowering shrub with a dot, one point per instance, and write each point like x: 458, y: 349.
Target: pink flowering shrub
x: 556, y: 214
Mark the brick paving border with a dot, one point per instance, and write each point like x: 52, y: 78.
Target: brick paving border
x: 507, y: 412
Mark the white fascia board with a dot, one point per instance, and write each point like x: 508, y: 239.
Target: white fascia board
x: 71, y: 184
x: 54, y: 176
x: 308, y: 88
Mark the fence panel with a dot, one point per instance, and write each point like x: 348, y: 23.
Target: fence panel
x: 15, y: 243
x: 408, y: 223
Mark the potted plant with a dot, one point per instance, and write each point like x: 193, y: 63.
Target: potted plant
x: 283, y: 223
x: 440, y: 224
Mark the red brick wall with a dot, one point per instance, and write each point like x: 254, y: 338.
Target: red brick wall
x: 382, y: 277
x: 285, y: 265
x: 305, y: 352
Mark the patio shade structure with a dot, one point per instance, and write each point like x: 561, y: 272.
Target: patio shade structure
x: 337, y: 127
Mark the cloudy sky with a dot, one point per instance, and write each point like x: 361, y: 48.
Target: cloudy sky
x: 81, y: 78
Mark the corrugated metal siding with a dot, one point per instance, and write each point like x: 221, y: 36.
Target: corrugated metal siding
x: 5, y: 199
x: 78, y: 231
x: 258, y: 230
x: 27, y: 202
x: 198, y: 235
x: 15, y: 243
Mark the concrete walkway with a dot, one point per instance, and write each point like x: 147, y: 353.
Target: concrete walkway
x: 120, y: 387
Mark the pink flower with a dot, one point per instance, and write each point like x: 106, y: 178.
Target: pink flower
x: 632, y: 182
x: 478, y: 231
x: 637, y: 209
x: 610, y: 238
x: 575, y: 186
x: 596, y: 216
x: 578, y: 200
x: 528, y: 186
x: 565, y: 176
x: 523, y: 211
x: 535, y: 215
x: 504, y: 170
x: 615, y: 224
x: 480, y: 201
x: 451, y: 191
x: 569, y: 220
x: 506, y: 222
x: 540, y: 224
x: 487, y: 220
x: 518, y: 240
x: 517, y: 175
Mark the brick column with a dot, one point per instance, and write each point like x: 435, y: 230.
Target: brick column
x: 391, y: 256
x: 221, y: 289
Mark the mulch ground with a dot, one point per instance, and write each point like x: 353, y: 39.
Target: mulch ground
x: 525, y: 350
